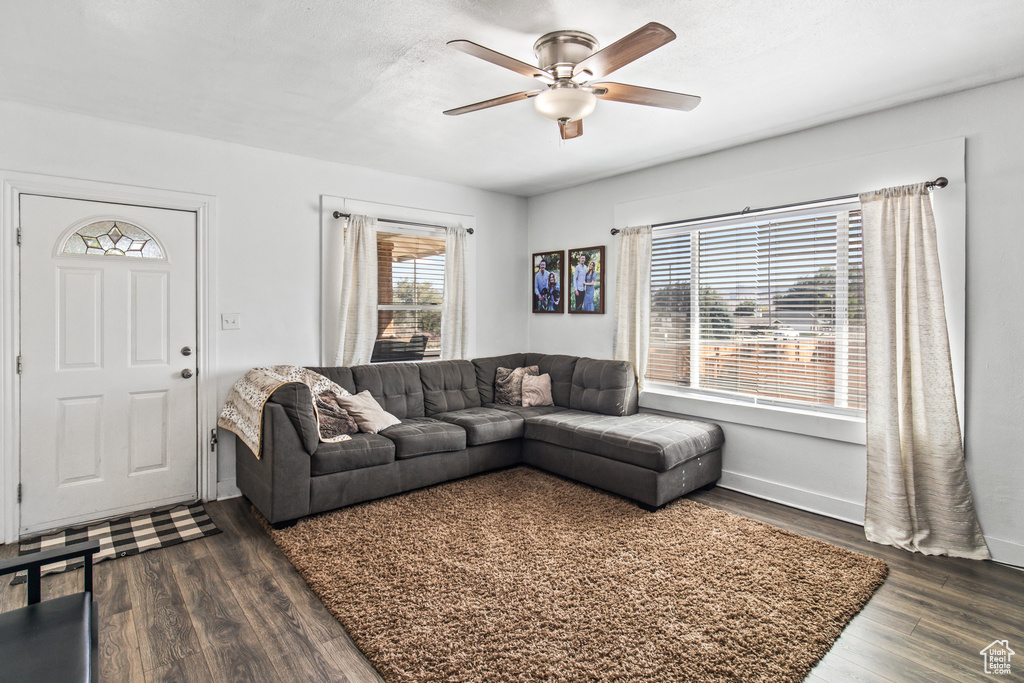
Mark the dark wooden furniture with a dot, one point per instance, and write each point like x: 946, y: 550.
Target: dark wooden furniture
x: 55, y: 640
x: 390, y: 349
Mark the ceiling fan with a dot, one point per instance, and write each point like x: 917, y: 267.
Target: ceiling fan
x: 568, y: 62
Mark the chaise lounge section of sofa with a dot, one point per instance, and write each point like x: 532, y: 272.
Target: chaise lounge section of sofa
x: 452, y: 428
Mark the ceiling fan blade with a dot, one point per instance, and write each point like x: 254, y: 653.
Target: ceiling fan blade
x: 489, y: 55
x: 623, y: 51
x: 651, y: 97
x: 494, y: 102
x: 570, y: 129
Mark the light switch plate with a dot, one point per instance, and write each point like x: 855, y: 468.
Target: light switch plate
x: 230, y: 321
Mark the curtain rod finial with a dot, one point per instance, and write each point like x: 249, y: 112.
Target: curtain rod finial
x: 339, y: 214
x: 615, y: 231
x: 941, y: 181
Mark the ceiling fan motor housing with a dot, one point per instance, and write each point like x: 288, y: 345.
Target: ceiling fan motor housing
x: 559, y: 51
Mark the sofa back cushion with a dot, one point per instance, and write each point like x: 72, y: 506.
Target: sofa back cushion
x: 448, y: 385
x: 607, y: 387
x: 561, y: 369
x: 487, y: 367
x: 396, y: 386
x: 340, y: 376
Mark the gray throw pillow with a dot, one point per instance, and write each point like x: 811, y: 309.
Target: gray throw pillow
x: 508, y: 384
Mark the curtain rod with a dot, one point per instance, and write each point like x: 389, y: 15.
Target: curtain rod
x: 940, y: 182
x: 339, y: 214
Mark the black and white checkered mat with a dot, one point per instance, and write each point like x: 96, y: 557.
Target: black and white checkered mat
x: 125, y: 536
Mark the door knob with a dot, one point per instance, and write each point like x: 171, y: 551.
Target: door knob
x: 186, y: 373
x: 186, y: 350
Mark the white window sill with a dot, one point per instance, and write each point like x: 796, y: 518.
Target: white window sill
x: 846, y: 428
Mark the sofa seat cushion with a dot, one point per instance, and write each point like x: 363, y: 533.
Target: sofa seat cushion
x: 653, y: 441
x: 486, y: 425
x: 526, y: 411
x: 362, y: 450
x: 425, y: 435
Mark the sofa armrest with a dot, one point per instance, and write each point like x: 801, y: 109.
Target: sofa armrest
x: 277, y: 482
x: 297, y: 401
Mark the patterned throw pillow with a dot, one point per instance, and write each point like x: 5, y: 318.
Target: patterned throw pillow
x: 508, y: 384
x: 537, y: 390
x: 334, y: 419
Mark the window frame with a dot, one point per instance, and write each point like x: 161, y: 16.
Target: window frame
x: 426, y: 211
x: 723, y: 399
x: 386, y: 228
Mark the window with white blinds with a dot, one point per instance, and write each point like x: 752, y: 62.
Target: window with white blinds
x: 410, y: 287
x: 779, y: 311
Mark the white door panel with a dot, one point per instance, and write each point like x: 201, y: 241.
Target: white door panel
x: 108, y: 422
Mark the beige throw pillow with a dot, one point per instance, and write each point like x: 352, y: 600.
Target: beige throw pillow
x: 367, y: 413
x: 508, y: 384
x: 537, y: 390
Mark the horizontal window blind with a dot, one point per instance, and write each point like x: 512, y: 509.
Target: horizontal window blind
x: 779, y: 310
x: 669, y: 357
x: 410, y: 288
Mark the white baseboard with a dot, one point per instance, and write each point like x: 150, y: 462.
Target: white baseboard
x: 1006, y: 552
x: 845, y: 510
x: 226, y: 488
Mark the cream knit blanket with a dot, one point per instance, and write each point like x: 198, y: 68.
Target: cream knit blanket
x: 243, y: 411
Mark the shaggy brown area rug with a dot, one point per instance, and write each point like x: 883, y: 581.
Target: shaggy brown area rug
x: 522, y: 576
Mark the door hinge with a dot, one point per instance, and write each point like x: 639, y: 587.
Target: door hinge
x: 19, y: 237
x: 19, y: 494
x: 19, y: 365
x: 213, y: 439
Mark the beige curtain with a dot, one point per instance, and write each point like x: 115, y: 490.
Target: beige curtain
x: 453, y: 305
x: 633, y: 299
x: 357, y: 309
x: 918, y: 496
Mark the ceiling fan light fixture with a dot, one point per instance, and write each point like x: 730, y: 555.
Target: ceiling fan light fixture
x: 565, y: 103
x: 568, y: 62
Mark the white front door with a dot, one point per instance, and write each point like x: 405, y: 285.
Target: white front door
x: 108, y: 339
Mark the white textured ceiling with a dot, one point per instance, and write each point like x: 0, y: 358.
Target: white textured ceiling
x: 364, y: 82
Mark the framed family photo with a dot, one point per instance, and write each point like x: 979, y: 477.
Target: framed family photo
x: 585, y: 292
x: 548, y: 282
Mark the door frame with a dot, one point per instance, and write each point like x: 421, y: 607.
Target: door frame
x: 12, y: 185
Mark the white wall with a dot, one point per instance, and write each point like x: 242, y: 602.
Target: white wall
x: 267, y: 229
x: 809, y: 471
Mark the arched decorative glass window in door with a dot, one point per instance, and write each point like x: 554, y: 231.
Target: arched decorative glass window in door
x: 112, y: 238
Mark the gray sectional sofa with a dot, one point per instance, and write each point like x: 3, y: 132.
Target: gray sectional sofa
x: 451, y: 428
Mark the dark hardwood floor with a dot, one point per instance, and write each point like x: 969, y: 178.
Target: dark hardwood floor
x: 231, y: 608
